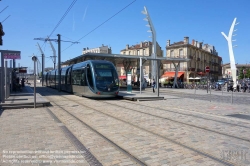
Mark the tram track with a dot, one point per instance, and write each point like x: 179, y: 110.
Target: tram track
x: 183, y: 123
x: 186, y: 114
x: 225, y: 162
x: 214, y: 96
x: 122, y: 150
x: 211, y: 156
x: 191, y: 115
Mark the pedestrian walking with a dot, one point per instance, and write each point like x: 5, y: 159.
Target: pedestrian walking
x: 153, y: 85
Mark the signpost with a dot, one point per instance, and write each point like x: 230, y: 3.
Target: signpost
x: 6, y: 54
x: 207, y: 69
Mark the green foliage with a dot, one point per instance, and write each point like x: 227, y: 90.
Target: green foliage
x: 241, y: 75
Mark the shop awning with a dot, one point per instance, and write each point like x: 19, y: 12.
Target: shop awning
x: 172, y: 74
x: 122, y: 77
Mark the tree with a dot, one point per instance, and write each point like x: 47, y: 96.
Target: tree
x: 241, y: 75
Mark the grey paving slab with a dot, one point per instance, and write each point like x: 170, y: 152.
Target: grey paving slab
x: 176, y: 131
x: 24, y: 99
x: 31, y: 136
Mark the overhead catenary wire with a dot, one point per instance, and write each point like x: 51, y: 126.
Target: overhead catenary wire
x: 65, y: 14
x: 102, y: 23
x: 4, y: 9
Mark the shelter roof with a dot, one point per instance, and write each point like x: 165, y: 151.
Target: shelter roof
x: 120, y: 59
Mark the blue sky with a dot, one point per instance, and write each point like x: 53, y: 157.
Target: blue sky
x: 202, y: 20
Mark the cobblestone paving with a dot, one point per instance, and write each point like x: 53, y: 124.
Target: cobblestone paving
x: 203, y: 140
x: 32, y: 133
x: 104, y: 151
x: 176, y: 131
x: 148, y: 147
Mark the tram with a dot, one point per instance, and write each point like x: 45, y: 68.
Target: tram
x: 92, y: 78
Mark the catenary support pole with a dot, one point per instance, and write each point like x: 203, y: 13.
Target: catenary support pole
x: 59, y: 62
x: 157, y: 77
x: 140, y: 74
x: 42, y: 68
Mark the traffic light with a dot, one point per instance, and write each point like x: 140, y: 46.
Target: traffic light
x: 1, y: 30
x: 1, y: 34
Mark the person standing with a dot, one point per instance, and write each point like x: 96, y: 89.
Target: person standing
x: 153, y: 85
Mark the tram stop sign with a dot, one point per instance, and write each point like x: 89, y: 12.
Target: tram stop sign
x: 207, y: 69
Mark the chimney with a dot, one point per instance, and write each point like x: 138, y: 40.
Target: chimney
x: 186, y: 40
x: 168, y: 42
x: 200, y: 45
x: 84, y: 49
x: 196, y: 44
x: 141, y: 44
x: 127, y: 46
x: 193, y: 42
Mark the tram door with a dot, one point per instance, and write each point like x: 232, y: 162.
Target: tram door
x: 89, y: 77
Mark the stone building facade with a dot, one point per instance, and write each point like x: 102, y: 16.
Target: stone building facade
x: 200, y: 56
x: 227, y: 73
x: 142, y: 49
x: 103, y: 49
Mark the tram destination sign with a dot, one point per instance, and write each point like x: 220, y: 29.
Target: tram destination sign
x: 11, y: 54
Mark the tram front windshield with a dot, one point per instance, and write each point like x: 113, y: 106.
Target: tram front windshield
x: 106, y: 77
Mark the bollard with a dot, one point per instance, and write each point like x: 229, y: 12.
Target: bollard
x: 232, y: 97
x: 194, y: 92
x: 210, y: 93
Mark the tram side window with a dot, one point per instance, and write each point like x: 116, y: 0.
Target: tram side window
x: 89, y: 77
x: 83, y: 80
x: 76, y: 77
x: 68, y: 76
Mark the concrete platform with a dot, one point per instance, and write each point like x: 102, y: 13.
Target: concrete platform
x: 137, y: 96
x: 24, y: 99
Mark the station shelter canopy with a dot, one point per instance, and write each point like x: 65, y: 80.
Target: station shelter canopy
x: 120, y: 60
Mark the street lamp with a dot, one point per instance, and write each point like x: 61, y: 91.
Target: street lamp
x: 152, y: 30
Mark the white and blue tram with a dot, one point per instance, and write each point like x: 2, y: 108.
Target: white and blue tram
x: 92, y: 78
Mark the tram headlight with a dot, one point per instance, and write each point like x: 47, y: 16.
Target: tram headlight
x: 117, y: 82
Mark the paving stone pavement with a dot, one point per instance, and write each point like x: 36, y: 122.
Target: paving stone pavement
x: 176, y: 131
x: 153, y: 150
x: 105, y: 152
x: 31, y: 135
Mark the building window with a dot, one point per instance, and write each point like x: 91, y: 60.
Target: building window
x: 171, y: 53
x: 129, y: 53
x: 138, y: 52
x: 181, y: 53
x: 144, y: 52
